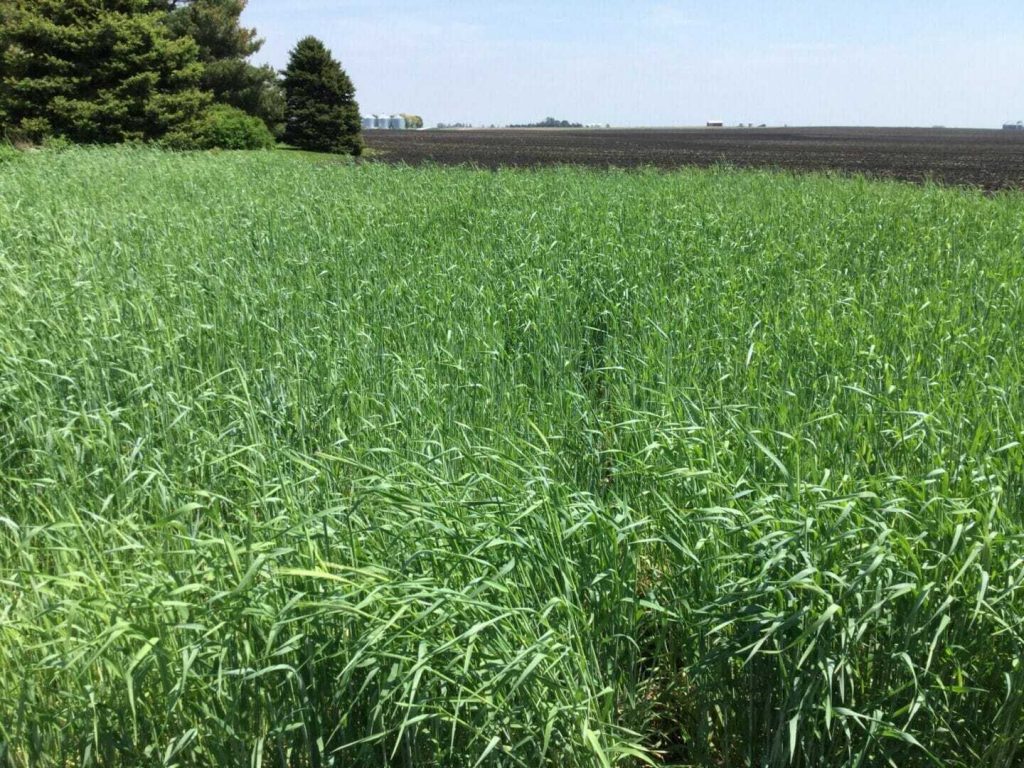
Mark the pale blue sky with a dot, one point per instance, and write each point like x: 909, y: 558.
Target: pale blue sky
x: 670, y: 62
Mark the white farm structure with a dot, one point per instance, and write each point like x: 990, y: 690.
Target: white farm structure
x: 384, y: 123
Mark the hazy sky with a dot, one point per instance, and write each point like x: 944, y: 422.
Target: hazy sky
x: 670, y: 62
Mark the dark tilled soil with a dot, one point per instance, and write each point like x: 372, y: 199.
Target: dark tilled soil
x: 988, y: 159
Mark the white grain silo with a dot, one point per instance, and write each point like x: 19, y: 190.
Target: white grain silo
x: 369, y: 123
x: 397, y: 123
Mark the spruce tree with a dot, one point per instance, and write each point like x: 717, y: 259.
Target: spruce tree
x: 95, y: 72
x: 322, y: 115
x: 224, y: 47
x: 6, y: 18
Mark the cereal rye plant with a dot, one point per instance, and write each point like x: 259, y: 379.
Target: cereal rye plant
x: 361, y: 466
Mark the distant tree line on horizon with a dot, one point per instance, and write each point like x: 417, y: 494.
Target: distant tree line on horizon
x: 175, y: 72
x: 550, y: 122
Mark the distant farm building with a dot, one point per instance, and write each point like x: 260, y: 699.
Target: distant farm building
x: 716, y: 123
x: 1018, y: 126
x: 398, y: 122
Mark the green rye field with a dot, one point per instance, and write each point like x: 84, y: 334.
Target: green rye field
x: 313, y: 464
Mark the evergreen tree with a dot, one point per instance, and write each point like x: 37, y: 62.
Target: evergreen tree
x: 224, y: 45
x: 6, y: 19
x: 95, y: 72
x: 322, y: 115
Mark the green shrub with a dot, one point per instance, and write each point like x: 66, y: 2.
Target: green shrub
x: 30, y: 131
x: 57, y: 143
x: 8, y: 153
x: 223, y: 127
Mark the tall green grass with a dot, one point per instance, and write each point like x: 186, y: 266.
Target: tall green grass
x: 318, y: 465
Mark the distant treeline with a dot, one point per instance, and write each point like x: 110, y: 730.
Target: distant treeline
x: 550, y: 122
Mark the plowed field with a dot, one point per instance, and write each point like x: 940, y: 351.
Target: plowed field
x: 988, y: 159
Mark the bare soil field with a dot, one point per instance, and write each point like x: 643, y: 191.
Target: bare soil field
x: 988, y: 159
